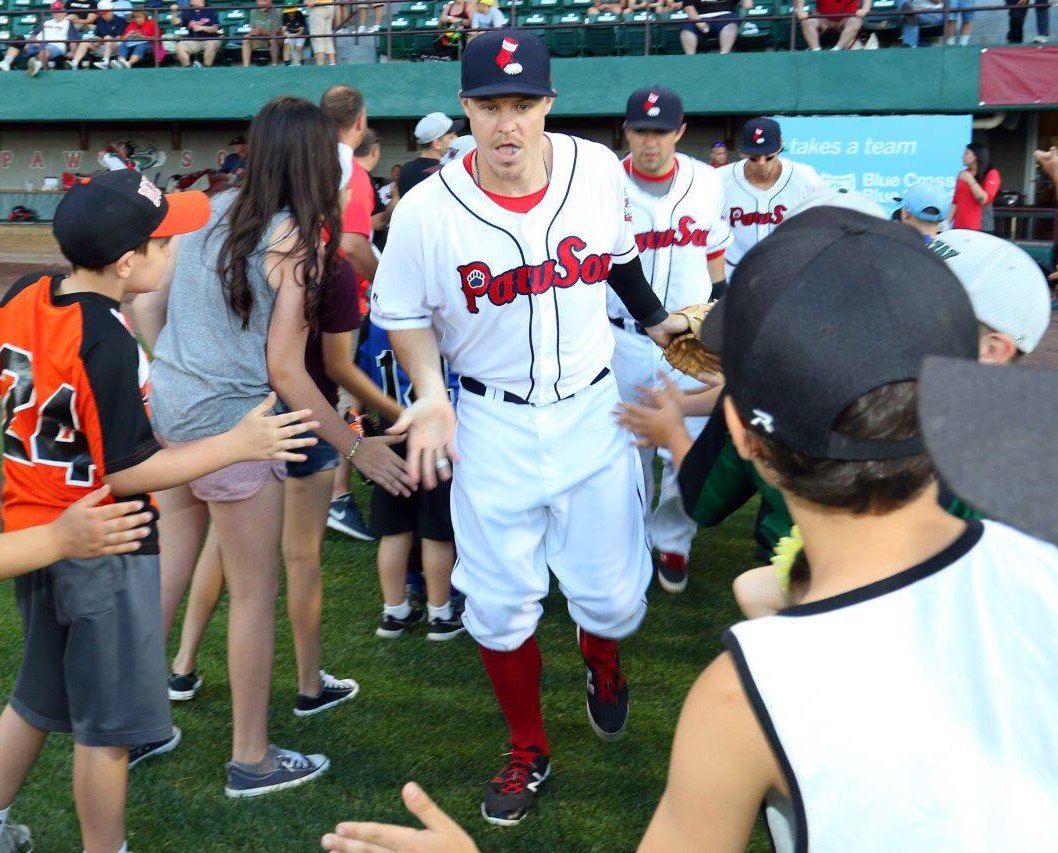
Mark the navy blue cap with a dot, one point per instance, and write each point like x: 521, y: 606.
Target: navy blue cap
x: 654, y: 108
x: 760, y: 137
x: 506, y: 62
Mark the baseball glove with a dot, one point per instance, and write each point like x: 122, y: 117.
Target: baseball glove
x: 687, y: 353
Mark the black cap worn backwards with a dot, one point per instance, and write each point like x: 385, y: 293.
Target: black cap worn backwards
x: 760, y: 137
x: 830, y: 306
x: 506, y: 62
x: 654, y: 108
x: 103, y: 216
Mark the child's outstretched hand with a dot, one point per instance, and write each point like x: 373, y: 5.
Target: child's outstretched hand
x: 263, y: 437
x: 657, y: 420
x: 87, y: 530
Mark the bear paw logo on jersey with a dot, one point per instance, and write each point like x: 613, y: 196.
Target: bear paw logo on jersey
x: 150, y: 192
x: 738, y: 216
x: 684, y: 234
x: 502, y: 289
x: 650, y: 105
x: 505, y: 58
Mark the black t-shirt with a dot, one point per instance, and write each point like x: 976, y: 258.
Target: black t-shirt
x: 294, y: 22
x: 80, y: 9
x: 415, y: 172
x: 711, y: 7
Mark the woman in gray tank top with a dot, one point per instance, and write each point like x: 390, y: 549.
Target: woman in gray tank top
x: 244, y: 293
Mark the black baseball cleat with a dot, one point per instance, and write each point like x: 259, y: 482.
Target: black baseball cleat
x: 672, y: 572
x: 390, y: 627
x: 607, y: 697
x: 512, y: 791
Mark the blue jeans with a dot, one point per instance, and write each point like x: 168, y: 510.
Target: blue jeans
x: 133, y: 48
x: 961, y: 7
x: 1017, y: 14
x: 918, y: 14
x: 54, y: 51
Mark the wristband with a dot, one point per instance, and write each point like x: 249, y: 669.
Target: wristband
x: 349, y: 456
x: 719, y: 289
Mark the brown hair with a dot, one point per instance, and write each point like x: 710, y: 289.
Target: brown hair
x: 343, y: 105
x: 370, y: 140
x: 888, y: 413
x: 292, y: 166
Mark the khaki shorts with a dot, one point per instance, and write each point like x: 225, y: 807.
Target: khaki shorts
x: 195, y: 46
x: 321, y: 26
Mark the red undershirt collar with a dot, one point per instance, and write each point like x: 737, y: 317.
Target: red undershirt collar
x: 513, y: 203
x: 635, y: 173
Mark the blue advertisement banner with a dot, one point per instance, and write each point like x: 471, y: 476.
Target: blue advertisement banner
x: 879, y: 156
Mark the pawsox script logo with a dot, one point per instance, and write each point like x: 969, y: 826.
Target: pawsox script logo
x: 738, y: 216
x: 685, y: 234
x: 502, y: 289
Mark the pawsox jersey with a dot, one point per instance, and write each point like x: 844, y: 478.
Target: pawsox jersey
x: 376, y: 358
x: 753, y: 213
x: 918, y: 712
x: 677, y: 234
x: 75, y: 387
x: 517, y: 301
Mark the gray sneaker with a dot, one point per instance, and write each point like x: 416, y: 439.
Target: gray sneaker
x: 283, y: 768
x: 15, y: 838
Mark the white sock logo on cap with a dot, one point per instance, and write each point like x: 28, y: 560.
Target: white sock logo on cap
x: 150, y: 192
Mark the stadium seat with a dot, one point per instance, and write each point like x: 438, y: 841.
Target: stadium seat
x: 600, y: 34
x: 419, y: 8
x: 21, y: 6
x: 581, y: 5
x: 232, y: 18
x: 402, y: 40
x: 887, y: 27
x: 423, y: 42
x: 781, y: 30
x: 546, y: 6
x: 631, y: 37
x: 670, y: 32
x: 753, y: 33
x: 532, y: 20
x: 566, y: 41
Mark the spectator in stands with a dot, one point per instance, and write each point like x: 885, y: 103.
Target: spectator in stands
x: 975, y: 188
x: 141, y: 37
x: 598, y: 6
x: 957, y: 8
x: 487, y: 16
x: 924, y: 207
x: 454, y: 18
x: 115, y: 157
x: 294, y: 27
x: 321, y: 30
x: 918, y: 14
x: 48, y: 42
x: 264, y: 24
x: 665, y: 7
x: 81, y: 13
x: 843, y: 16
x: 432, y: 133
x: 108, y: 30
x: 1048, y: 163
x: 1018, y: 10
x: 718, y: 154
x: 234, y: 163
x: 203, y: 27
x: 379, y: 8
x: 711, y: 16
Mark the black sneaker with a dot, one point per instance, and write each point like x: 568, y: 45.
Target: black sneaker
x: 344, y: 516
x: 607, y: 697
x: 333, y: 691
x: 445, y: 629
x: 390, y: 627
x: 150, y: 750
x: 672, y: 572
x: 184, y: 687
x: 284, y: 769
x: 512, y: 791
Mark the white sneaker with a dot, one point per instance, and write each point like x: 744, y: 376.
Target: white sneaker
x: 15, y: 837
x: 373, y: 29
x: 1037, y: 40
x: 872, y: 42
x: 33, y: 66
x: 102, y: 65
x: 119, y: 63
x: 5, y: 65
x: 196, y: 64
x: 361, y: 30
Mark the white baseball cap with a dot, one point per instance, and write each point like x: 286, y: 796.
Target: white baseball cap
x: 433, y: 126
x: 458, y: 147
x: 1006, y: 287
x: 838, y: 198
x: 105, y: 5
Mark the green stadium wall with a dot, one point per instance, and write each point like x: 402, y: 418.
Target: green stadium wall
x: 905, y: 81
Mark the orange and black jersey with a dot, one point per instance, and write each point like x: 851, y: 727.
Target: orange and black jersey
x: 74, y: 383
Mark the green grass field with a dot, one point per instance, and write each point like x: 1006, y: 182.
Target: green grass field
x: 425, y: 712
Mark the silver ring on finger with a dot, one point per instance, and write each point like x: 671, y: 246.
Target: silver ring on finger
x: 442, y: 463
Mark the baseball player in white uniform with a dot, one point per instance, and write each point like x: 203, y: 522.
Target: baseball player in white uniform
x: 501, y: 262
x: 762, y: 187
x: 677, y: 214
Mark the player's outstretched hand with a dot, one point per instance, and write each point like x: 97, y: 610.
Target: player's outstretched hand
x: 376, y: 460
x: 671, y: 327
x: 430, y: 425
x: 441, y: 835
x: 262, y: 437
x: 657, y: 420
x: 86, y: 529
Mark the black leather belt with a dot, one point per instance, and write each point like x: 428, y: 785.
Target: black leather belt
x: 621, y: 325
x: 474, y: 387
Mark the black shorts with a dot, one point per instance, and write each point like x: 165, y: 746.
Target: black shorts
x: 426, y: 512
x: 94, y: 661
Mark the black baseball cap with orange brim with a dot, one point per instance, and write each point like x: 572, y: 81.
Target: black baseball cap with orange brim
x: 107, y: 214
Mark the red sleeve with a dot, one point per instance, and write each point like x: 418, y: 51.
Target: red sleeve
x: 356, y: 219
x: 991, y: 185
